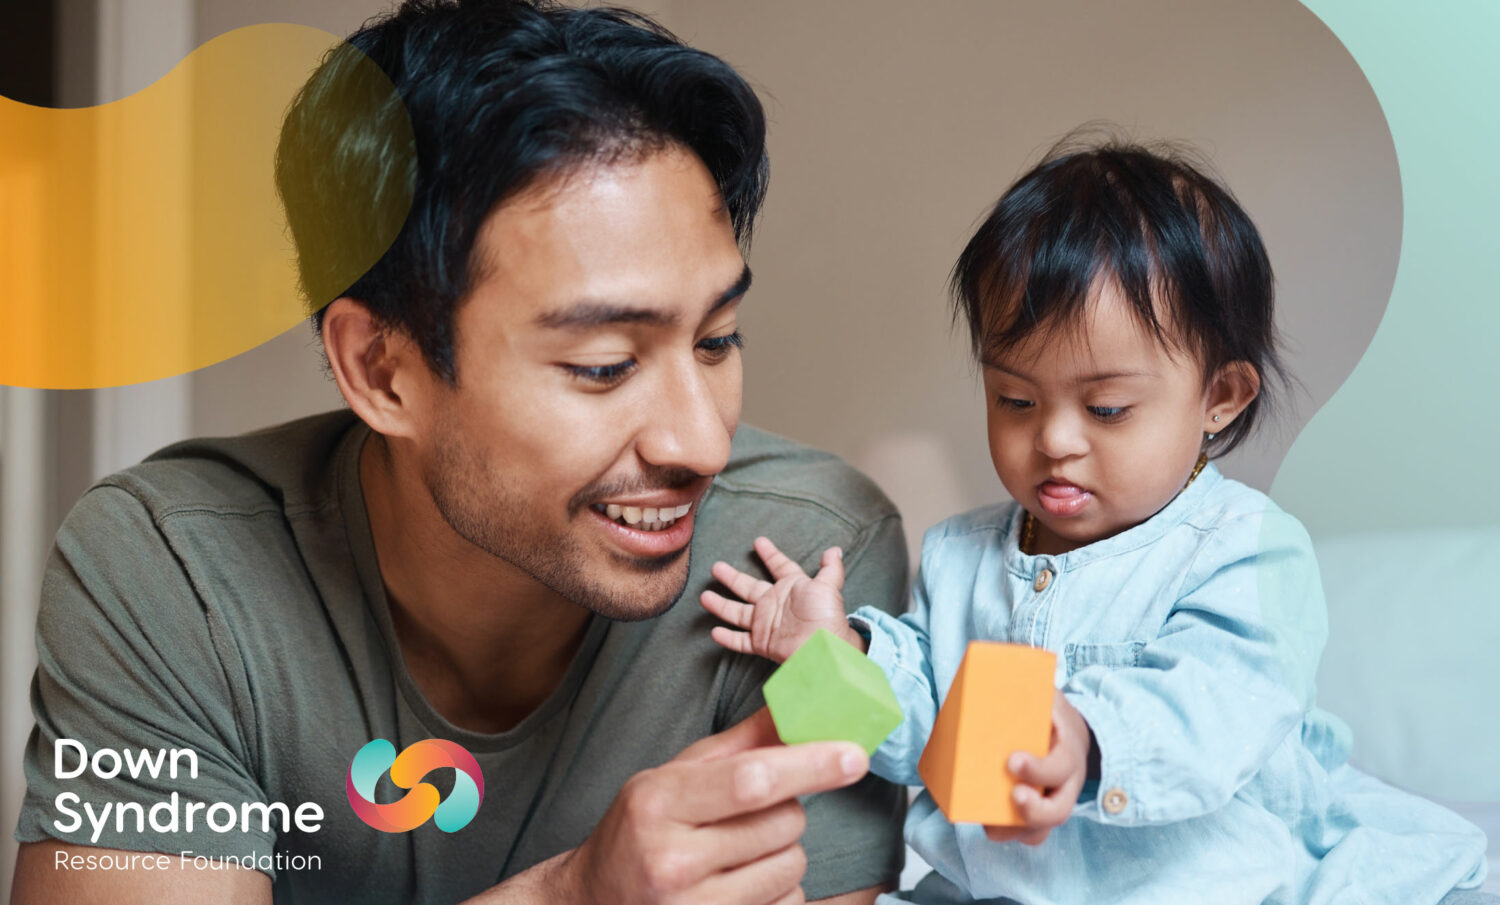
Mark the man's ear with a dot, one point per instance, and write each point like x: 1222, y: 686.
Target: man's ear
x: 1233, y: 388
x: 379, y: 370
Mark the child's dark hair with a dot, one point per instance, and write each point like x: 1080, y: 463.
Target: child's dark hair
x: 1152, y: 222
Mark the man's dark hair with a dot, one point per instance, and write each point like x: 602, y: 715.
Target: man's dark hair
x: 499, y: 94
x: 1147, y: 219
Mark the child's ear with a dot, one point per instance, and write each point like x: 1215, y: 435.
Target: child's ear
x: 1233, y: 388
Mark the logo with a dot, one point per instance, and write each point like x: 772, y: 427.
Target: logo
x: 422, y: 799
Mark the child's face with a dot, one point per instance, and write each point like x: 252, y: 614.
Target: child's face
x: 1095, y: 428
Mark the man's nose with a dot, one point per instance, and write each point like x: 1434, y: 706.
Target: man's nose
x: 1061, y: 435
x: 683, y: 424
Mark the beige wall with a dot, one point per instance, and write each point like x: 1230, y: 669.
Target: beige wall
x: 893, y: 127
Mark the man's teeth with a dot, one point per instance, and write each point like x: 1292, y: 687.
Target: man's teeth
x: 644, y: 518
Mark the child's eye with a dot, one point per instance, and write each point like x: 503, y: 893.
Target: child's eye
x: 605, y: 375
x: 718, y: 347
x: 1108, y: 412
x: 1019, y: 405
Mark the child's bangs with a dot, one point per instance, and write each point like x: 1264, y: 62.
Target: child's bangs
x: 1045, y: 255
x: 1026, y: 302
x: 1180, y: 250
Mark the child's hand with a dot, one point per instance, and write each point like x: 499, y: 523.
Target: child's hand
x: 778, y: 617
x: 1047, y: 788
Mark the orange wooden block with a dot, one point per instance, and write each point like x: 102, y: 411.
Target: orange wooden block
x: 1000, y: 703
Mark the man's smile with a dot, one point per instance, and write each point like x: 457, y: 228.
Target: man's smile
x: 645, y: 539
x: 646, y: 516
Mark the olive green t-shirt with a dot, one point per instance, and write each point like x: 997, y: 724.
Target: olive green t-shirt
x: 224, y: 597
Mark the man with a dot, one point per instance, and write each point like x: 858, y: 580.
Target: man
x: 544, y: 377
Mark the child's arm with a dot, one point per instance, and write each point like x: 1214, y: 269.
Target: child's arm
x: 776, y: 618
x: 1209, y: 700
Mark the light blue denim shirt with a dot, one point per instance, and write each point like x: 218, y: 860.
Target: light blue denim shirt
x: 1189, y: 642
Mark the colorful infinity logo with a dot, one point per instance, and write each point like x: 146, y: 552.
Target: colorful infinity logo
x: 423, y: 800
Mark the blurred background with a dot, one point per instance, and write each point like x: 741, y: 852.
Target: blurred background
x: 893, y: 127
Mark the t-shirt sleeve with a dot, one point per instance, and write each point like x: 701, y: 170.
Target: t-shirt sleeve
x: 853, y: 836
x: 131, y: 661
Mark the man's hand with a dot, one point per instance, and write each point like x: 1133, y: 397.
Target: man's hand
x: 777, y: 618
x: 1047, y: 788
x: 718, y: 823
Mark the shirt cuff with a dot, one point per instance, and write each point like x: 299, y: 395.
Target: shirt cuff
x: 896, y: 758
x: 1117, y: 799
x: 882, y: 650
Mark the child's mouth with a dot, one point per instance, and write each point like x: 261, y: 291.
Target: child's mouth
x: 1062, y: 499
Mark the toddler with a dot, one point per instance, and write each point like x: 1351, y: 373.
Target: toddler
x: 1120, y: 306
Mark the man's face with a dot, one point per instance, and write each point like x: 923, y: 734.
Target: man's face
x: 598, y: 367
x: 1095, y: 427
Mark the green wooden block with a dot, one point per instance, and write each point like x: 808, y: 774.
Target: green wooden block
x: 829, y: 691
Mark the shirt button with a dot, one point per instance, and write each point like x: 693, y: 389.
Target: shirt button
x: 1043, y: 578
x: 1115, y: 800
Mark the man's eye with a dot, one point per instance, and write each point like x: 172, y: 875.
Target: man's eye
x: 1108, y: 412
x: 602, y: 374
x: 718, y: 347
x: 1018, y: 405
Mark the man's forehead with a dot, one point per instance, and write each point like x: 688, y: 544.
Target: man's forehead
x: 600, y: 189
x: 595, y: 230
x: 561, y: 183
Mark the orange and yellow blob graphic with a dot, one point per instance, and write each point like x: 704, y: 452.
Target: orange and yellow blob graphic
x: 144, y: 238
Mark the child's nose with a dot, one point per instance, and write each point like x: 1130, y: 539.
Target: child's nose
x: 1061, y: 436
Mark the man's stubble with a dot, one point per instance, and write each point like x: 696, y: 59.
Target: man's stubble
x: 484, y: 509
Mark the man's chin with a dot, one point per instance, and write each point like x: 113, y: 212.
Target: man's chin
x: 642, y: 588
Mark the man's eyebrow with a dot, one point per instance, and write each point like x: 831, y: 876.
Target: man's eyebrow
x: 739, y: 288
x: 589, y: 314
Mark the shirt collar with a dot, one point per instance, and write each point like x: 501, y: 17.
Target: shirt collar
x: 1147, y: 532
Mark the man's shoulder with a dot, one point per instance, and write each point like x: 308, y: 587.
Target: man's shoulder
x: 763, y: 464
x: 284, y: 468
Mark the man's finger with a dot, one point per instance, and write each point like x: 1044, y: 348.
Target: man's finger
x: 746, y: 586
x: 750, y: 836
x: 704, y: 792
x: 777, y: 563
x: 795, y: 897
x: 733, y: 612
x: 767, y: 879
x: 832, y: 571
